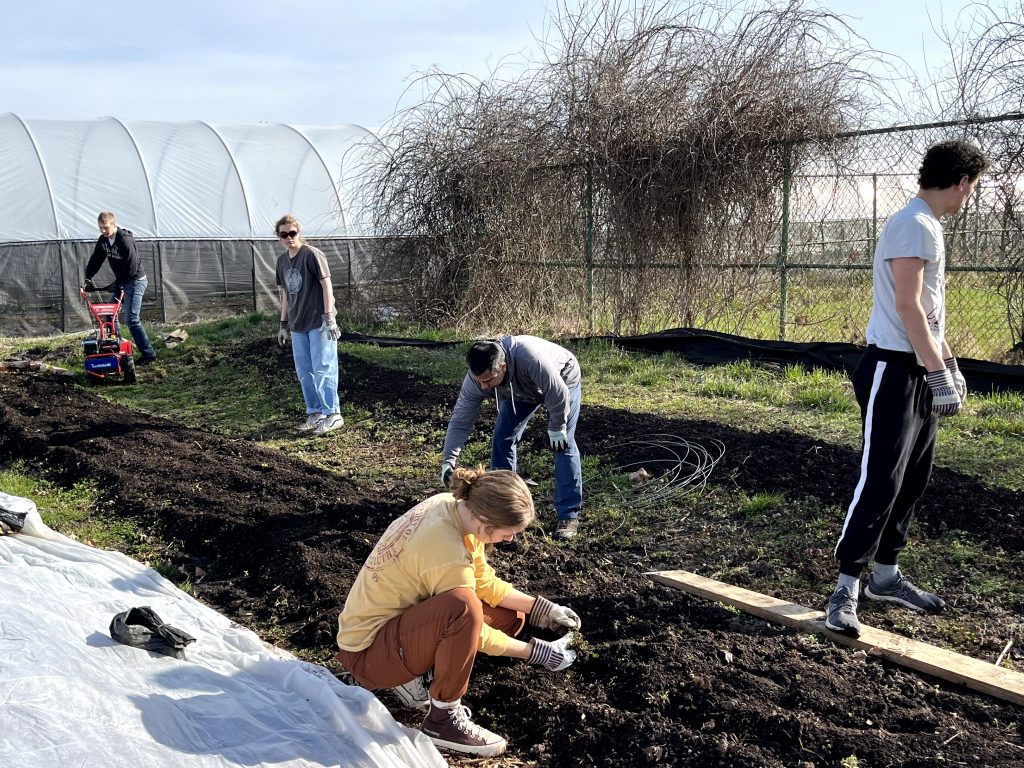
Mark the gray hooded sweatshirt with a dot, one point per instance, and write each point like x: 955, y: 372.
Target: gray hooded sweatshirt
x: 539, y: 371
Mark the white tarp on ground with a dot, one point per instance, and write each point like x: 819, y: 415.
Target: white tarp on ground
x: 71, y: 696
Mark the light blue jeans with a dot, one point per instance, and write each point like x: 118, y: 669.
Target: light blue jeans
x: 316, y: 363
x: 132, y: 307
x: 508, y: 431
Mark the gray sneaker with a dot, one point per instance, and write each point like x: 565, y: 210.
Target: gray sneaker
x: 330, y: 422
x: 903, y: 592
x: 841, y: 613
x: 454, y: 730
x: 414, y: 694
x: 567, y: 528
x: 311, y: 423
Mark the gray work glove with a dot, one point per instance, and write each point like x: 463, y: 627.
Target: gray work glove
x: 959, y: 382
x: 945, y: 400
x: 548, y: 615
x: 555, y: 656
x: 283, y: 336
x: 330, y: 326
x: 447, y: 471
x: 559, y: 440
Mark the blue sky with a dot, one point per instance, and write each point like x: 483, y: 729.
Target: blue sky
x: 306, y: 62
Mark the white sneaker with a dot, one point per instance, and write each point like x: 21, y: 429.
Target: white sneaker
x: 329, y: 422
x: 312, y: 422
x: 414, y: 694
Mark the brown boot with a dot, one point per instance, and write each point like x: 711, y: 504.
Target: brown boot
x: 452, y: 729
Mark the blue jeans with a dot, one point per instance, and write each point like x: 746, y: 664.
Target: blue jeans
x: 316, y: 363
x: 508, y: 431
x: 132, y: 306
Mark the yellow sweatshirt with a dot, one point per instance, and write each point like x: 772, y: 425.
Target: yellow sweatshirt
x: 422, y: 553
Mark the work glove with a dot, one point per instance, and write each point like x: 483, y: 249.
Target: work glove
x: 88, y: 285
x: 282, y: 334
x: 945, y: 400
x: 559, y: 440
x: 555, y: 656
x: 548, y: 615
x: 330, y: 326
x: 959, y: 382
x: 447, y: 470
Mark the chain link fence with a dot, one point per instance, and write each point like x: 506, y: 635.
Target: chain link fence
x: 827, y: 241
x: 798, y: 272
x: 805, y: 276
x: 188, y: 280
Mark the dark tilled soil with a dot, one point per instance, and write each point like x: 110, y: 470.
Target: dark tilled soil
x: 664, y: 679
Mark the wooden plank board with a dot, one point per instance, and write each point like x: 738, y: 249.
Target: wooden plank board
x: 1000, y: 682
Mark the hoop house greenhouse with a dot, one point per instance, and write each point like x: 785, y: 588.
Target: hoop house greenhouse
x: 201, y: 200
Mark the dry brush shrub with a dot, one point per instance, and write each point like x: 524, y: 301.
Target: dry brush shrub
x: 665, y: 130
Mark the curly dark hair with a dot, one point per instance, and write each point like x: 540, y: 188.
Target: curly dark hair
x: 485, y: 356
x: 947, y: 162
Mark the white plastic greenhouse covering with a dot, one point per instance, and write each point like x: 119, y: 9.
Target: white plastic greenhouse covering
x: 74, y: 696
x: 201, y: 200
x: 177, y: 180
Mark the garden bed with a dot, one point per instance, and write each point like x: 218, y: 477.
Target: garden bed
x: 663, y: 679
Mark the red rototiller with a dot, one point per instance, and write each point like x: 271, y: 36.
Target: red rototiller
x: 107, y: 354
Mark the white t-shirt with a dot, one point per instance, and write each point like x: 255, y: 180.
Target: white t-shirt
x: 916, y: 232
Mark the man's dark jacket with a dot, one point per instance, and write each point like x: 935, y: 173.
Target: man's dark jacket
x: 123, y: 256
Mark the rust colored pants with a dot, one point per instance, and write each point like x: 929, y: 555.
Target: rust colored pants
x: 442, y: 632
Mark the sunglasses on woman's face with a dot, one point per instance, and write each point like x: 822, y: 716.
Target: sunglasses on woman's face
x: 292, y: 233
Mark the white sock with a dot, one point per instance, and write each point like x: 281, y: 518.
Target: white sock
x: 885, y: 574
x: 445, y: 704
x: 852, y: 583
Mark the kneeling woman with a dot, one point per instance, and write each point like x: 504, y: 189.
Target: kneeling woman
x: 426, y: 598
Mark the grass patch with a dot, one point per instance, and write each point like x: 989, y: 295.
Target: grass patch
x: 78, y: 512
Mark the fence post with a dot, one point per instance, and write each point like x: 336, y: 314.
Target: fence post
x: 252, y: 246
x: 977, y: 225
x: 874, y: 215
x: 63, y: 288
x: 351, y: 298
x: 223, y: 270
x: 589, y: 244
x: 161, y: 294
x: 784, y: 238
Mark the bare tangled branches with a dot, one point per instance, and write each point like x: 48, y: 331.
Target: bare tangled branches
x: 987, y: 78
x: 645, y: 135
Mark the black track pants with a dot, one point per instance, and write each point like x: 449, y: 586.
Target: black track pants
x: 898, y: 431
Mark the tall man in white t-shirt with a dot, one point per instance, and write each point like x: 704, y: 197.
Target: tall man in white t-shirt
x: 905, y: 380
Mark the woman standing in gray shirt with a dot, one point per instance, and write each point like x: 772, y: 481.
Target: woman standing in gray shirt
x: 308, y: 321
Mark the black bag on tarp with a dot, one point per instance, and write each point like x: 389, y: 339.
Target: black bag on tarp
x: 142, y: 628
x: 11, y: 521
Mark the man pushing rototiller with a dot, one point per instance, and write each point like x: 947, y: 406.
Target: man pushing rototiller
x: 116, y: 247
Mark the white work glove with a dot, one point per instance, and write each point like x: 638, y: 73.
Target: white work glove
x: 447, y: 470
x: 330, y: 326
x: 945, y: 400
x: 559, y: 440
x: 555, y: 656
x: 283, y: 336
x: 548, y: 615
x: 959, y: 382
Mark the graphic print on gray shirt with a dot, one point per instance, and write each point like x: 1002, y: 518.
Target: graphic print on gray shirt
x: 300, y: 277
